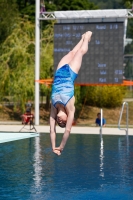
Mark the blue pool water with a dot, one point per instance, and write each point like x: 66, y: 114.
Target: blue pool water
x: 90, y: 168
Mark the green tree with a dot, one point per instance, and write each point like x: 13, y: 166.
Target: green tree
x: 128, y: 71
x: 17, y: 63
x: 129, y: 48
x: 108, y: 4
x: 27, y: 7
x: 70, y: 5
x: 46, y: 60
x: 129, y: 33
x: 127, y: 3
x: 8, y: 18
x: 102, y: 96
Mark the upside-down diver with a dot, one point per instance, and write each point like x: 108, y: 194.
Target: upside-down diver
x: 62, y: 106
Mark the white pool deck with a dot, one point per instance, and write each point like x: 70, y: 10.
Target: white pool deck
x: 11, y: 132
x: 74, y: 130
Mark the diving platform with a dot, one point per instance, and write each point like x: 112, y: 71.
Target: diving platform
x: 12, y: 136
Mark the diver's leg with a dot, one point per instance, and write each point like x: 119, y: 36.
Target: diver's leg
x: 67, y: 58
x: 76, y: 62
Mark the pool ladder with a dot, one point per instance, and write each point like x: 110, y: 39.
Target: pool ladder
x: 124, y: 103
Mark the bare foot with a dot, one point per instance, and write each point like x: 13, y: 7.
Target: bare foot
x: 56, y: 151
x: 83, y: 36
x: 88, y: 34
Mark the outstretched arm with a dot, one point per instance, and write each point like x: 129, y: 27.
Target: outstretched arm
x: 67, y: 129
x: 70, y: 108
x: 53, y: 114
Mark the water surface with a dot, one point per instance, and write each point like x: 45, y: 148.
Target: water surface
x: 90, y: 168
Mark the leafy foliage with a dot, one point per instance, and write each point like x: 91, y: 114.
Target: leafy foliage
x: 130, y: 28
x: 17, y: 53
x: 109, y: 4
x: 127, y: 3
x: 72, y: 5
x: 128, y: 71
x: 102, y: 96
x: 17, y: 63
x: 16, y: 69
x: 46, y: 60
x: 8, y: 18
x: 27, y: 7
x: 129, y: 48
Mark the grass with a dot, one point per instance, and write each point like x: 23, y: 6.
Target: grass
x: 89, y: 114
x: 129, y: 93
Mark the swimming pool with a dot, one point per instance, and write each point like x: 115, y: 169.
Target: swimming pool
x: 90, y: 168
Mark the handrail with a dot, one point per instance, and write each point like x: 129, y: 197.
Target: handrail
x: 126, y: 117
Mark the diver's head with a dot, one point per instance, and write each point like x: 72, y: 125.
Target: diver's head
x: 61, y: 119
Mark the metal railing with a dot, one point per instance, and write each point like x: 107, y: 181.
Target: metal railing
x: 126, y: 129
x: 101, y: 124
x: 44, y: 15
